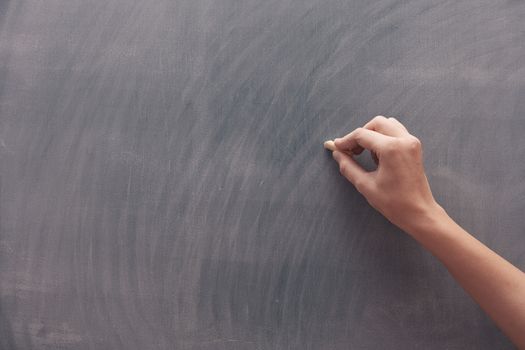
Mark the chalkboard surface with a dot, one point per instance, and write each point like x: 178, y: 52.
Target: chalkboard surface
x: 163, y: 183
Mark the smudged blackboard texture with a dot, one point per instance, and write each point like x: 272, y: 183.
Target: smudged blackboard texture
x: 164, y: 186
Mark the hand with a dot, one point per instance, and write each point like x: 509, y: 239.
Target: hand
x: 398, y: 188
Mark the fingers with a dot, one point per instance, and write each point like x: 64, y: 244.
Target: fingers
x: 352, y: 171
x: 387, y: 126
x: 400, y: 126
x: 364, y: 138
x: 383, y: 126
x: 373, y: 135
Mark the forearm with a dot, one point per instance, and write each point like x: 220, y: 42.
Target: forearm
x: 496, y: 285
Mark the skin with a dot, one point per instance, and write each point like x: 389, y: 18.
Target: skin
x: 399, y: 190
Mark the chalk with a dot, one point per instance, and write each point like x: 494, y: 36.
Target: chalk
x: 330, y: 145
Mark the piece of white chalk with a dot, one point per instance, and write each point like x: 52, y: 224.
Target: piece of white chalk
x: 330, y: 145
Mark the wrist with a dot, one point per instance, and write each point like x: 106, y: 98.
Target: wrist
x: 427, y: 220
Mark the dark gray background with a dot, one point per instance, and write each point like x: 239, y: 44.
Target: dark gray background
x: 164, y: 186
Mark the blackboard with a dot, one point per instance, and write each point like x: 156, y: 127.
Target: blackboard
x: 163, y: 183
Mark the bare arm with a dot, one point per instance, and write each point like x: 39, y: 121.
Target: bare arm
x: 399, y: 189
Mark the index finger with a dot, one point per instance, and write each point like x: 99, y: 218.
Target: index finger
x: 362, y: 137
x: 386, y: 126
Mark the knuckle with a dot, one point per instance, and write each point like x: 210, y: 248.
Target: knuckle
x: 413, y: 144
x: 343, y: 168
x: 358, y: 133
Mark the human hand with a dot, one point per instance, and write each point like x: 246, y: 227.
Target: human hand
x: 398, y: 188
